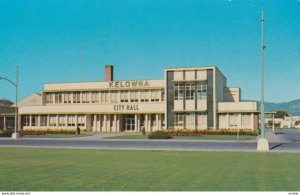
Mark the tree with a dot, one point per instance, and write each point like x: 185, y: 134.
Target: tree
x: 280, y: 114
x: 5, y: 102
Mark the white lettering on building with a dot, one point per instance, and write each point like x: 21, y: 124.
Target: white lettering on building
x: 125, y: 107
x: 121, y: 84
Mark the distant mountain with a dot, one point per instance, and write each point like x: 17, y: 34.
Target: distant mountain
x: 292, y: 107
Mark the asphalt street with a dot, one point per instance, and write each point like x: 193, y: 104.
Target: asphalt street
x: 289, y: 140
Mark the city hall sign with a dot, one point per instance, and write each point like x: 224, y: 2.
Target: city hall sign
x: 126, y: 107
x: 128, y: 84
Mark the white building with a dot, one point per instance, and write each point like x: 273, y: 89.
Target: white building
x: 186, y: 98
x: 290, y: 122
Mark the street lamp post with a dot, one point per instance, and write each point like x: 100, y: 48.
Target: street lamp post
x: 15, y: 135
x: 262, y: 143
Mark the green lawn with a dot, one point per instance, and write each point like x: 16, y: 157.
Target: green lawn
x: 203, y: 137
x: 55, y: 136
x: 28, y: 169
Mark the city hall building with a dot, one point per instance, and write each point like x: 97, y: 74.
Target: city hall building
x: 186, y: 98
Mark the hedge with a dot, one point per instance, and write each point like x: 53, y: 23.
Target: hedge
x: 6, y: 133
x: 209, y: 132
x: 159, y: 135
x: 41, y: 132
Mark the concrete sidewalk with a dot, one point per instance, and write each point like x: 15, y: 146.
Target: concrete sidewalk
x: 273, y: 138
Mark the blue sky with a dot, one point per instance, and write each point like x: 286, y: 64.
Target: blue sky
x: 47, y: 38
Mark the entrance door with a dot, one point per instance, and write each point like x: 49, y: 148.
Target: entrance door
x: 129, y: 122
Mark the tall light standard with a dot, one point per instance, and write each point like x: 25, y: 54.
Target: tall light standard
x: 262, y: 143
x: 15, y: 135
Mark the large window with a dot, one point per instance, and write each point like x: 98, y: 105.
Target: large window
x: 190, y: 120
x: 62, y: 120
x: 223, y: 119
x: 95, y: 97
x: 246, y: 120
x: 202, y: 119
x: 179, y: 120
x: 114, y: 96
x: 67, y: 97
x: 155, y: 95
x: 85, y: 97
x: 104, y: 96
x: 81, y: 120
x: 190, y: 91
x: 134, y: 96
x: 178, y: 91
x: 153, y: 120
x: 49, y: 98
x: 144, y: 94
x: 43, y: 120
x: 124, y: 96
x: 201, y: 90
x: 71, y: 120
x: 233, y: 120
x: 26, y: 120
x: 162, y: 92
x: 58, y: 98
x: 52, y: 120
x: 76, y: 97
x: 34, y: 120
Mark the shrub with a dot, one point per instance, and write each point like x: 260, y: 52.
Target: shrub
x: 143, y: 131
x: 159, y: 135
x: 6, y: 133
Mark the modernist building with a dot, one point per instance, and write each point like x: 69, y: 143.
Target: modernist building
x: 186, y: 98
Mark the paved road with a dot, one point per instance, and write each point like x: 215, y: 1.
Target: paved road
x: 289, y: 140
x: 135, y: 144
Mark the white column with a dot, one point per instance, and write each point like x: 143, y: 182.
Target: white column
x: 135, y: 122
x: 160, y: 122
x: 80, y: 97
x: 30, y: 121
x: 62, y: 98
x: 118, y: 123
x: 149, y: 122
x: 115, y: 123
x: 39, y: 121
x: 138, y: 122
x: 95, y: 123
x: 48, y: 118
x: 76, y: 121
x: 240, y: 121
x: 57, y: 121
x: 104, y: 123
x: 99, y: 123
x: 4, y: 122
x: 146, y: 122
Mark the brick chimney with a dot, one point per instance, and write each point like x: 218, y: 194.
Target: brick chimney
x: 109, y: 73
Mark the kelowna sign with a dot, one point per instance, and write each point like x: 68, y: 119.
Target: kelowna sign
x: 129, y: 84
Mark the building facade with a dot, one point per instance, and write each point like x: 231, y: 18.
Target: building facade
x: 7, y: 117
x: 186, y: 98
